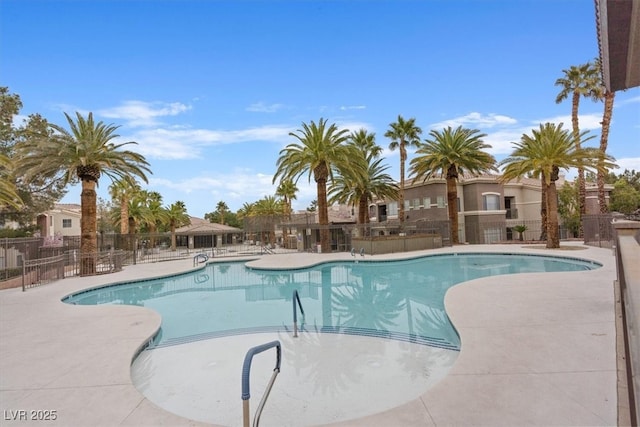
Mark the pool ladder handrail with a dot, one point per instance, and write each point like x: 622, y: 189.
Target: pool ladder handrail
x: 196, y: 258
x: 246, y: 371
x: 296, y: 298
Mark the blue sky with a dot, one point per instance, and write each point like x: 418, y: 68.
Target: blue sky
x: 211, y: 89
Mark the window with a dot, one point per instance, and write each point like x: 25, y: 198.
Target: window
x: 407, y: 205
x: 427, y: 202
x: 392, y: 209
x: 416, y: 203
x: 66, y: 223
x: 441, y: 202
x: 491, y: 202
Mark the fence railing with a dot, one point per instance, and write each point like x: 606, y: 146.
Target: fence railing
x: 44, y: 270
x: 598, y: 230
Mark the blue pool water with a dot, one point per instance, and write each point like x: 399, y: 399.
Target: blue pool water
x: 401, y: 300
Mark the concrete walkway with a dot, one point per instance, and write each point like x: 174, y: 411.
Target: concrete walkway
x: 537, y: 349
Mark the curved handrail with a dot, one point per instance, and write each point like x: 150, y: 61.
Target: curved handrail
x: 196, y: 259
x: 353, y: 252
x: 361, y: 251
x: 296, y: 298
x: 246, y: 371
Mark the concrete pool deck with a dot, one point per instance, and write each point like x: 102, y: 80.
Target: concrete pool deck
x: 537, y: 349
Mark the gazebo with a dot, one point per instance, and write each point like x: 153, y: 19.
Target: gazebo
x: 204, y: 234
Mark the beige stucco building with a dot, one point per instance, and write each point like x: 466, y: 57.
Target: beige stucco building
x: 487, y: 209
x: 62, y: 220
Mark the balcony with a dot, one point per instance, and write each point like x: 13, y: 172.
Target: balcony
x: 512, y: 213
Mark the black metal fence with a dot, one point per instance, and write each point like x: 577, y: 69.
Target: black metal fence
x: 598, y: 230
x: 41, y: 260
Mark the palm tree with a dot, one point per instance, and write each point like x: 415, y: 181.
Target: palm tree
x: 546, y: 151
x: 246, y: 210
x: 221, y: 210
x: 176, y: 216
x: 122, y: 191
x: 85, y: 153
x: 269, y: 208
x: 320, y: 150
x: 154, y: 213
x: 608, y: 97
x: 403, y: 133
x: 287, y: 189
x: 578, y: 81
x: 8, y: 194
x: 358, y: 186
x: 452, y: 152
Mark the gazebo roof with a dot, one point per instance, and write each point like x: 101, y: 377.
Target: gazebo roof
x: 202, y: 226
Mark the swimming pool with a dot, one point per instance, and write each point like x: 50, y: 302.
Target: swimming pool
x: 364, y: 322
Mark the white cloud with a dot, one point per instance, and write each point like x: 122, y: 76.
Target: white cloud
x: 585, y: 121
x: 234, y: 188
x: 634, y: 100
x: 631, y: 163
x: 185, y: 143
x: 261, y: 107
x: 143, y: 114
x: 476, y: 120
x: 353, y: 107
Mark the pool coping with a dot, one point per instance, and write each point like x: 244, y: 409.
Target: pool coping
x: 494, y: 381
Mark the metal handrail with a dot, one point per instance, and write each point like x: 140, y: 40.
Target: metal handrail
x: 204, y: 257
x: 296, y: 298
x: 246, y: 370
x: 361, y: 251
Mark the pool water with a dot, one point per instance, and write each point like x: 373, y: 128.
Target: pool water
x: 375, y: 334
x: 401, y: 300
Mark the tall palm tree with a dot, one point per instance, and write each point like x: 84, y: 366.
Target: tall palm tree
x: 546, y: 151
x: 358, y: 186
x: 452, y: 152
x: 269, y: 208
x: 221, y: 210
x: 86, y: 153
x: 154, y: 213
x: 578, y: 81
x: 246, y: 210
x: 287, y: 189
x: 122, y: 191
x: 176, y: 216
x: 320, y: 150
x: 608, y: 97
x: 403, y: 133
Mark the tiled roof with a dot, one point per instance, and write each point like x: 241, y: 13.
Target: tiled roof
x: 202, y: 226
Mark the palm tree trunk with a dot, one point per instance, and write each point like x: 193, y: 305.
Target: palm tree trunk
x: 132, y: 232
x: 604, y: 140
x: 88, y: 236
x: 403, y: 159
x: 152, y: 235
x: 124, y: 215
x: 362, y: 215
x: 173, y: 237
x: 553, y: 239
x: 452, y: 201
x: 582, y: 193
x: 543, y: 210
x: 323, y: 214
